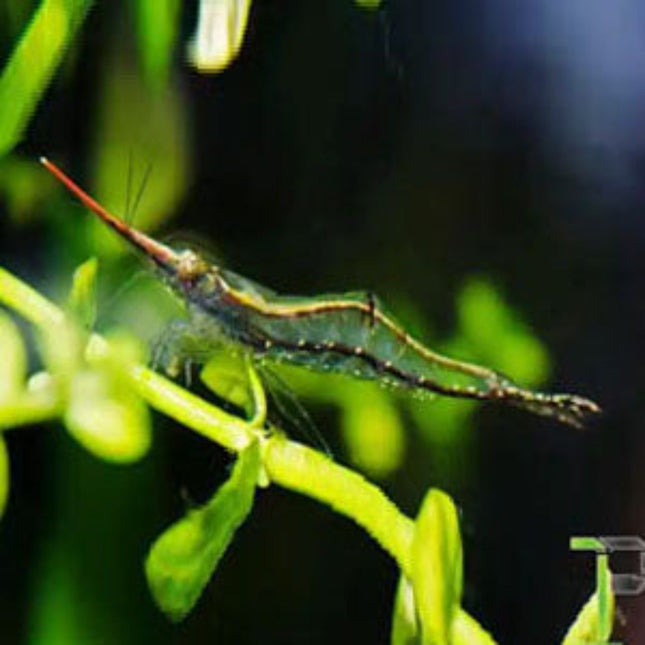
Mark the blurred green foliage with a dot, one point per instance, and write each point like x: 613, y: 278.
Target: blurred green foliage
x: 155, y: 159
x: 157, y: 23
x: 95, y: 401
x: 56, y: 618
x: 33, y: 64
x: 488, y: 332
x: 22, y: 187
x: 103, y: 413
x: 492, y: 332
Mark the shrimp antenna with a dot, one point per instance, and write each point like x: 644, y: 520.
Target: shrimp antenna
x: 161, y: 254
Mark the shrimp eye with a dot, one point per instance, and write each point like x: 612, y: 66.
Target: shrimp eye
x: 190, y: 267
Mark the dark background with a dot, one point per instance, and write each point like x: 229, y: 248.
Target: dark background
x: 401, y: 151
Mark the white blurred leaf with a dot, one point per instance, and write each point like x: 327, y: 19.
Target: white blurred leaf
x: 221, y: 26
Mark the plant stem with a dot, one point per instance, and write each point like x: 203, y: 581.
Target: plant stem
x: 225, y: 429
x: 28, y: 302
x: 311, y: 473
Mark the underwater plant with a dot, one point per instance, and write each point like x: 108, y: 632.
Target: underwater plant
x: 99, y: 388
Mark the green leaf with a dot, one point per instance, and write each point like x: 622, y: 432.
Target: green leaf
x: 106, y: 417
x: 13, y: 366
x: 184, y: 557
x: 82, y: 298
x: 33, y: 62
x: 219, y: 35
x: 226, y: 374
x: 368, y: 4
x: 157, y: 23
x: 595, y: 621
x: 405, y: 624
x: 437, y: 567
x: 467, y: 631
x: 4, y: 476
x: 464, y: 630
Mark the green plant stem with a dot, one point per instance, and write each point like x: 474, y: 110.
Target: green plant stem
x: 26, y: 301
x: 311, y: 473
x: 192, y: 411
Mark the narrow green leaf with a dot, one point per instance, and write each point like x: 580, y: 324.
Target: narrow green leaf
x: 4, y: 476
x: 27, y: 302
x: 226, y: 374
x: 368, y: 4
x: 157, y: 24
x: 595, y: 621
x: 184, y: 557
x: 13, y: 366
x: 33, y: 62
x: 437, y: 567
x: 82, y: 298
x: 405, y: 624
x: 106, y: 417
x: 467, y: 631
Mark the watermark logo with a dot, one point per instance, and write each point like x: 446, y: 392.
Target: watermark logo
x: 622, y: 584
